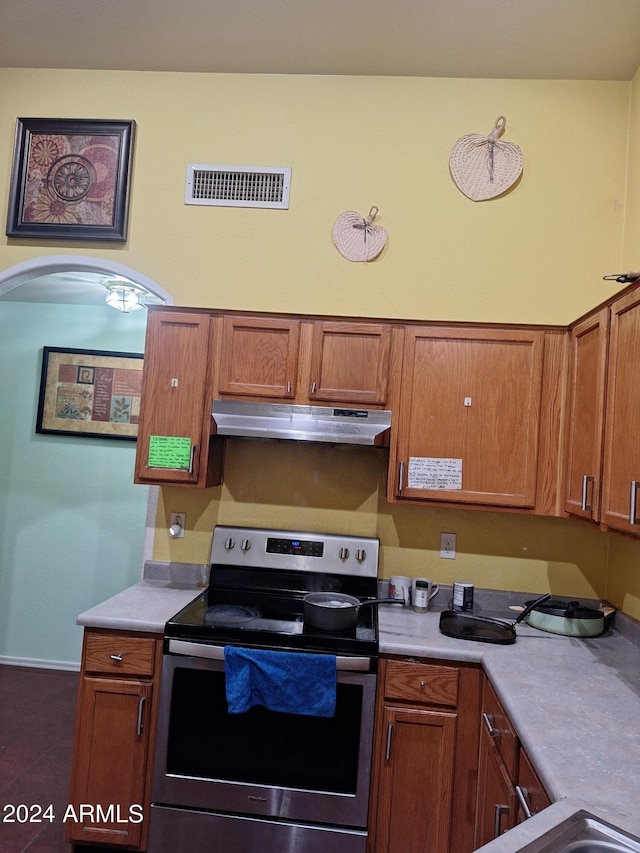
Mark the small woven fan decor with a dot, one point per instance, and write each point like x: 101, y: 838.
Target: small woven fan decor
x: 482, y: 167
x: 357, y: 238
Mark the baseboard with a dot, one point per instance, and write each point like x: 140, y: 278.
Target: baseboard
x: 35, y: 663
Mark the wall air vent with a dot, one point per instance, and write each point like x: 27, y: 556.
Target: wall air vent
x: 238, y: 186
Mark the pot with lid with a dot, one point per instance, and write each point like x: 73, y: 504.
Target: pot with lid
x: 336, y: 611
x: 569, y: 618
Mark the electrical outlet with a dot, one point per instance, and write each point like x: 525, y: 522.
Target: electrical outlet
x: 448, y: 546
x: 177, y: 521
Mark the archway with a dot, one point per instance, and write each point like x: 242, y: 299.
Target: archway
x: 42, y: 513
x: 27, y: 271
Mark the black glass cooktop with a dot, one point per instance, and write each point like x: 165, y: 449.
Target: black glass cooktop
x: 265, y: 609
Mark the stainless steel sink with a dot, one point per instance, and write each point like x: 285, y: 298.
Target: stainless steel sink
x: 584, y: 833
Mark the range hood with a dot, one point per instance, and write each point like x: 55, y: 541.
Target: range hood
x: 302, y: 423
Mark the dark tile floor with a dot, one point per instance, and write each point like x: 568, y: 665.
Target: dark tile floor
x: 37, y: 713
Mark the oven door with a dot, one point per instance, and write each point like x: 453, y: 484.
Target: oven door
x: 262, y: 763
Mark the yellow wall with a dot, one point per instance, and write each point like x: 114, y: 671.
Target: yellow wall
x: 537, y: 255
x: 273, y: 484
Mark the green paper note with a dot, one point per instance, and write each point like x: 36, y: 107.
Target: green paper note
x: 169, y: 451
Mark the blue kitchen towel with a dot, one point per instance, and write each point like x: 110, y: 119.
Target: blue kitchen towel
x: 289, y: 682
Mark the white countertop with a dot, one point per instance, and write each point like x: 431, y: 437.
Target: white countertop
x: 575, y: 703
x: 146, y: 606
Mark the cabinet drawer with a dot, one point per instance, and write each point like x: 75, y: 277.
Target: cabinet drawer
x: 113, y: 654
x: 502, y: 732
x: 407, y: 681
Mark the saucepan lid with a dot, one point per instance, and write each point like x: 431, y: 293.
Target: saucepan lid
x: 466, y: 626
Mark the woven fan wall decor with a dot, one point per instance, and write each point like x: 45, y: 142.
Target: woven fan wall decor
x: 357, y: 238
x: 482, y: 167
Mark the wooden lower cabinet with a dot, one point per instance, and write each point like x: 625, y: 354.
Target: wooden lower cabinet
x: 115, y: 725
x: 421, y: 748
x: 496, y: 793
x: 509, y: 790
x: 532, y: 797
x: 425, y: 765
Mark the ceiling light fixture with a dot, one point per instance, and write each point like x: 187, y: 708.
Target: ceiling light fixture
x: 124, y: 296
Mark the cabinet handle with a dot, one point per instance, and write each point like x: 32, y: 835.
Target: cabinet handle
x: 488, y: 721
x: 313, y: 387
x: 387, y: 754
x: 523, y: 798
x: 632, y: 501
x: 117, y: 658
x: 584, y: 506
x: 140, y: 710
x: 191, y: 455
x: 499, y: 812
x: 401, y: 477
x: 288, y: 387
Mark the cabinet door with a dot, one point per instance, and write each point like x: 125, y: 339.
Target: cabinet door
x: 531, y: 791
x: 469, y: 416
x: 176, y: 400
x: 112, y: 741
x: 498, y: 727
x: 416, y: 782
x: 621, y: 479
x: 585, y: 416
x: 259, y: 357
x: 350, y: 363
x: 496, y: 794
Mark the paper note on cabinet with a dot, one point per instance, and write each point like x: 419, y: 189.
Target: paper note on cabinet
x: 431, y: 472
x: 168, y: 451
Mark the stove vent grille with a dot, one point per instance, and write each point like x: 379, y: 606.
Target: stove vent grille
x: 238, y: 186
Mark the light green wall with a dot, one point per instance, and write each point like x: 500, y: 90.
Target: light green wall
x: 71, y: 520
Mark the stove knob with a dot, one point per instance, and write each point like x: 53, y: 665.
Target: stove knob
x: 229, y: 543
x: 361, y: 555
x: 245, y: 545
x: 343, y: 553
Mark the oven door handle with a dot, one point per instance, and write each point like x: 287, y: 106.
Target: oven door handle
x: 203, y: 650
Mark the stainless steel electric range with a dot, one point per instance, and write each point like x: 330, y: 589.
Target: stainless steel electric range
x: 265, y: 780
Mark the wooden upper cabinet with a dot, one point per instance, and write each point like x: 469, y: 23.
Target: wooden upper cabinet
x: 584, y: 424
x: 259, y: 357
x: 350, y: 363
x: 621, y: 478
x: 301, y: 360
x: 176, y: 400
x: 469, y: 416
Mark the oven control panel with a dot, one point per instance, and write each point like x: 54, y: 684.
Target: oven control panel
x: 288, y: 549
x: 297, y: 547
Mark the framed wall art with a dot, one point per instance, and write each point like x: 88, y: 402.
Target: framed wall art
x: 89, y: 393
x: 71, y: 179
